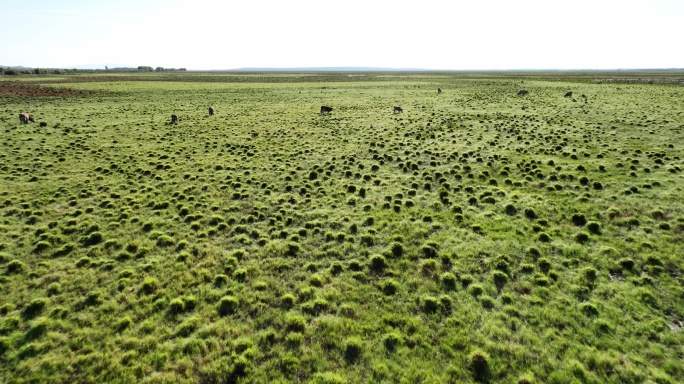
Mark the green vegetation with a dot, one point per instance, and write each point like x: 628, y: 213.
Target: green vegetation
x: 478, y: 236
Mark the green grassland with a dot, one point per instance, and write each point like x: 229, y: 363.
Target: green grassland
x: 478, y: 236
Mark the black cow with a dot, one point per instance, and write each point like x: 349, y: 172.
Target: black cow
x: 326, y: 109
x: 211, y: 111
x: 398, y: 109
x: 522, y: 92
x: 24, y: 118
x: 174, y: 119
x: 439, y: 90
x: 569, y: 94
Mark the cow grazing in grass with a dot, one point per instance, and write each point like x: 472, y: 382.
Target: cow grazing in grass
x: 522, y: 92
x: 569, y: 94
x: 439, y: 90
x: 24, y: 118
x: 211, y: 111
x: 398, y: 109
x: 174, y: 119
x: 326, y: 109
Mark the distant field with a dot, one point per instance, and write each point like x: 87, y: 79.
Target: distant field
x: 478, y: 236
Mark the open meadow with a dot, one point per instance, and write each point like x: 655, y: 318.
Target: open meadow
x: 477, y: 236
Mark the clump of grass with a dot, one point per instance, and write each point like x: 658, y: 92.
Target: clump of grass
x: 396, y: 249
x: 165, y: 241
x: 176, y: 306
x: 430, y: 304
x: 353, y: 349
x: 579, y: 219
x: 594, y: 227
x: 448, y: 281
x: 378, y: 263
x: 295, y: 323
x: 15, y: 267
x: 34, y: 307
x: 54, y: 289
x: 287, y: 300
x: 220, y: 280
x: 475, y: 290
x: 390, y: 287
x: 149, y: 286
x: 478, y: 363
x: 487, y: 301
x: 92, y: 239
x: 227, y: 305
x: 392, y: 341
x: 500, y: 279
x: 316, y: 280
x: 123, y: 324
x: 582, y: 237
x: 510, y: 209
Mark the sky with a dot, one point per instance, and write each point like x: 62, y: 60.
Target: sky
x: 429, y: 34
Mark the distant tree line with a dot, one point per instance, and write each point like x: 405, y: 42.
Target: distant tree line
x: 143, y: 68
x: 58, y: 71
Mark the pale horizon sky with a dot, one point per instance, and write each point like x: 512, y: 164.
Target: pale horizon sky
x: 441, y: 35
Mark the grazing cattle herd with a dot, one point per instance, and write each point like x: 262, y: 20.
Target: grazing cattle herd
x: 25, y: 117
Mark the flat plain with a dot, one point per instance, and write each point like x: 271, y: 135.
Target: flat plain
x: 478, y: 236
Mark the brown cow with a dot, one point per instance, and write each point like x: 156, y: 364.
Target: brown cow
x: 24, y: 118
x: 174, y: 119
x: 211, y: 111
x: 398, y: 109
x: 326, y: 109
